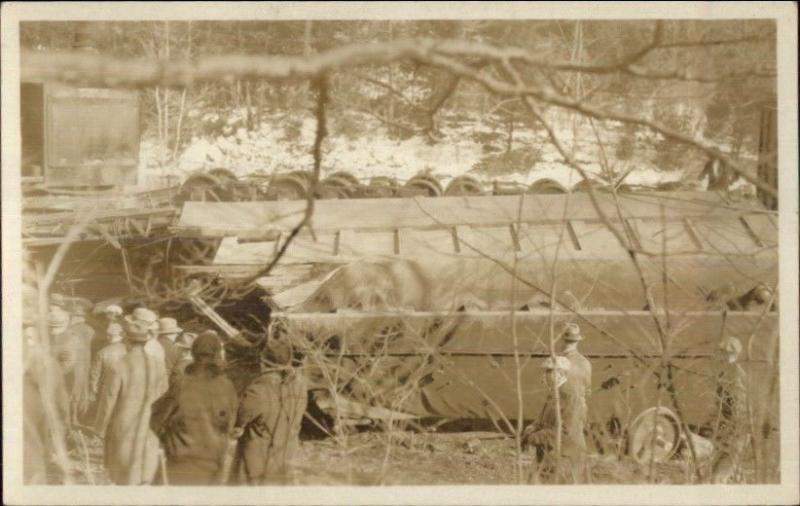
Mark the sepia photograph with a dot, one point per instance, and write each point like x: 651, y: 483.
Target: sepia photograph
x: 333, y: 246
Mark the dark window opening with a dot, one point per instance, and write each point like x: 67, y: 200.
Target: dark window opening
x: 32, y: 128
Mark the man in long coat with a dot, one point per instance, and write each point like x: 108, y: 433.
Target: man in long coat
x: 72, y: 354
x: 111, y: 314
x: 569, y: 466
x: 270, y: 415
x: 123, y: 413
x: 580, y: 371
x: 108, y: 357
x: 195, y: 418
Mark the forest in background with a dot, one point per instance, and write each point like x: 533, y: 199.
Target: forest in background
x: 712, y: 91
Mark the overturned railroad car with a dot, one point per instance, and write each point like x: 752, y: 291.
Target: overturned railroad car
x: 445, y: 307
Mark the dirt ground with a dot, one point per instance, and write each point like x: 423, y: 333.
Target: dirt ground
x: 407, y: 458
x: 444, y: 459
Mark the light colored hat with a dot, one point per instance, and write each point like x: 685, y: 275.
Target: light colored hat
x: 730, y: 345
x: 572, y: 332
x: 58, y: 300
x: 762, y: 292
x: 560, y: 363
x: 113, y: 309
x: 168, y: 326
x: 58, y: 317
x: 145, y: 320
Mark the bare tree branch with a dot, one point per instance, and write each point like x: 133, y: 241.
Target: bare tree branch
x: 322, y: 131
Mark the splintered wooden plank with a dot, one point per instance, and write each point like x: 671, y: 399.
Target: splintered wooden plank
x: 303, y: 248
x: 231, y: 271
x: 237, y: 218
x: 231, y: 251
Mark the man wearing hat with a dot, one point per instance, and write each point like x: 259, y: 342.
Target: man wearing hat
x: 107, y: 357
x: 580, y: 371
x: 79, y: 308
x: 270, y: 415
x: 183, y: 345
x: 58, y: 300
x: 72, y: 355
x: 168, y: 332
x: 195, y: 418
x: 124, y: 406
x: 755, y: 298
x: 730, y: 415
x: 111, y: 313
x: 570, y: 465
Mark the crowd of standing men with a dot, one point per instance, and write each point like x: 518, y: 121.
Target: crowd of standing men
x: 159, y: 399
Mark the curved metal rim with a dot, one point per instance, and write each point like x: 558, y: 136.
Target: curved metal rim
x: 292, y: 180
x: 426, y: 182
x: 383, y: 182
x: 213, y: 183
x: 546, y: 185
x: 635, y: 441
x: 340, y: 175
x: 460, y: 183
x: 223, y: 174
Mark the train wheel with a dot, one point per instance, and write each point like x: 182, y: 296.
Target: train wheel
x: 339, y: 185
x: 464, y: 185
x: 305, y: 175
x: 332, y: 191
x: 203, y: 188
x: 344, y: 176
x: 584, y: 184
x: 654, y: 434
x: 224, y: 175
x: 546, y: 185
x: 382, y: 186
x: 426, y: 183
x: 292, y: 186
x: 507, y: 188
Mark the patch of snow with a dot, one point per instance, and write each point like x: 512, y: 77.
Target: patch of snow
x: 282, y: 143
